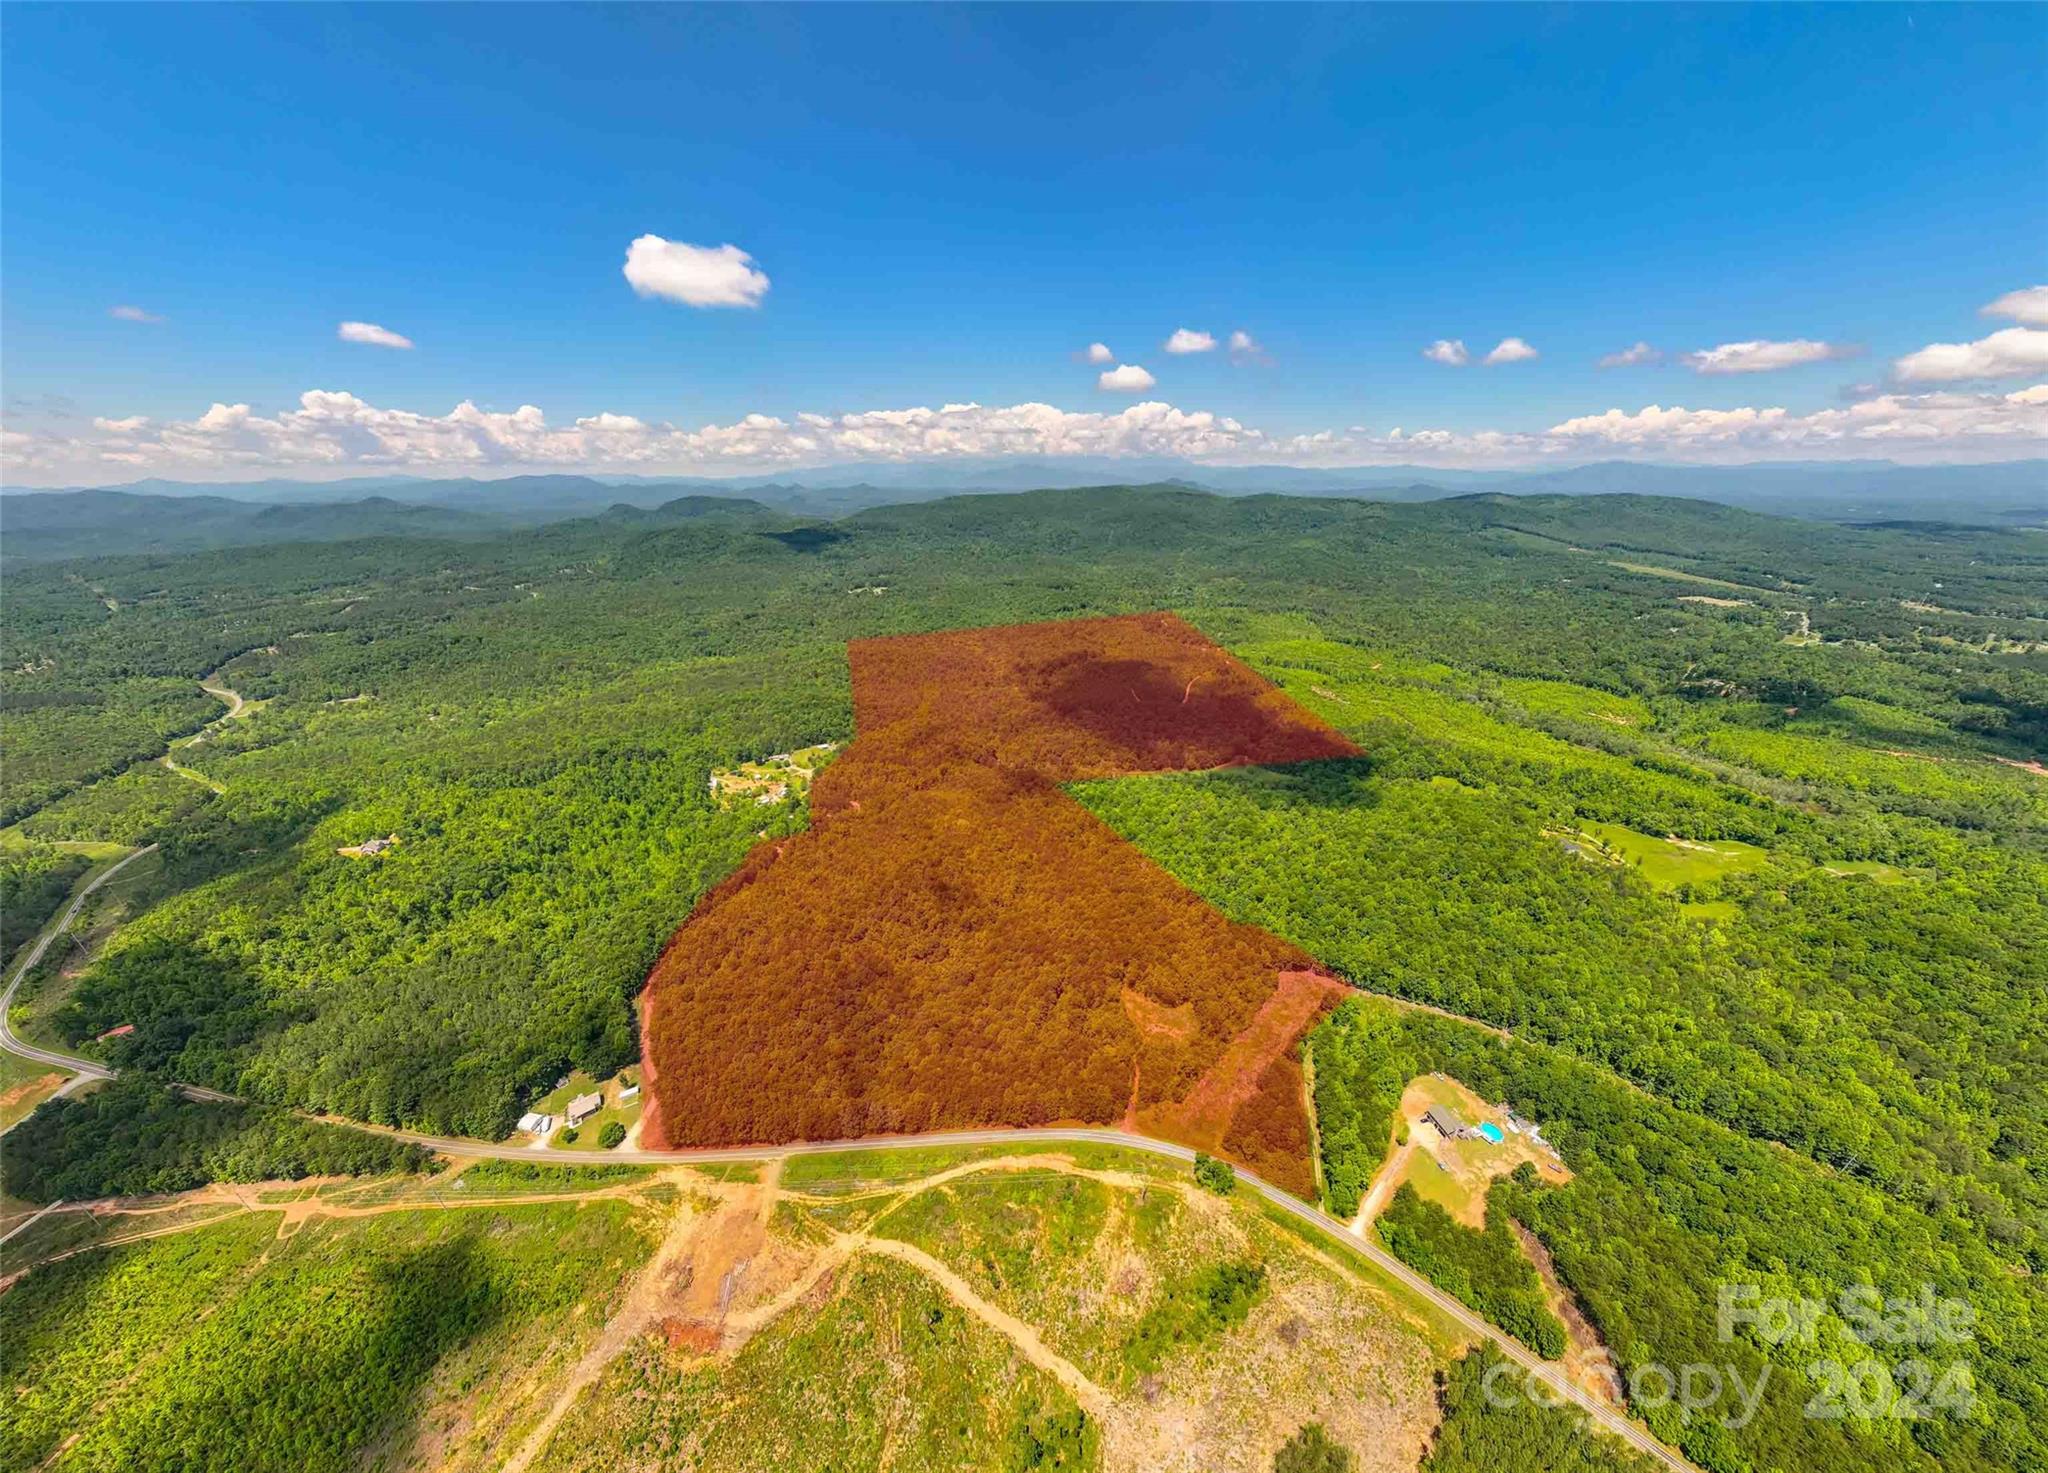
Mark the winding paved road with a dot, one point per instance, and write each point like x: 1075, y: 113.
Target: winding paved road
x: 1553, y: 1377
x: 84, y: 1068
x: 1561, y: 1388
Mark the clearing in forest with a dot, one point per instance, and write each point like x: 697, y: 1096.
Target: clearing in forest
x: 955, y: 942
x: 1453, y: 1173
x: 772, y: 779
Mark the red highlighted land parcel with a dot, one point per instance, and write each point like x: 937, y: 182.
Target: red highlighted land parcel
x: 956, y: 943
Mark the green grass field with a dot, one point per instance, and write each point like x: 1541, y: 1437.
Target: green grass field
x: 24, y: 1084
x: 1668, y: 863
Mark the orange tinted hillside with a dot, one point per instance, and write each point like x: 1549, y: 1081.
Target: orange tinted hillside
x: 957, y: 943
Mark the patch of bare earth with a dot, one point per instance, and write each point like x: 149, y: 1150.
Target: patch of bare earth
x: 18, y: 1096
x: 680, y: 1292
x: 1586, y: 1359
x: 1316, y: 1349
x: 1203, y: 1116
x: 1326, y: 1342
x: 1391, y: 1174
x: 1472, y: 1164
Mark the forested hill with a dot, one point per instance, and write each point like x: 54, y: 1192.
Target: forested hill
x: 73, y: 524
x: 1737, y: 815
x: 55, y: 526
x: 536, y: 714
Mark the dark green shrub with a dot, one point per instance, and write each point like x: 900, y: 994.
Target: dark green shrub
x: 1216, y: 1176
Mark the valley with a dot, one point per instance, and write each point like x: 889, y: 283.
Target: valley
x: 1233, y: 878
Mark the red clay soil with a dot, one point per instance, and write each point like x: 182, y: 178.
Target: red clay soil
x: 1242, y: 1072
x: 956, y: 943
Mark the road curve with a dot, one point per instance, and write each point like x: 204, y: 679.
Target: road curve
x: 1553, y: 1377
x: 85, y: 1068
x: 1555, y: 1381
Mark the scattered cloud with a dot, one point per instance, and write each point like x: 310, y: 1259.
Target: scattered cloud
x: 373, y: 335
x: 697, y: 276
x: 1244, y: 348
x: 1187, y: 340
x: 1098, y: 353
x: 2029, y: 305
x: 1449, y: 351
x: 1125, y: 378
x: 1511, y: 350
x: 1888, y: 423
x: 2008, y: 353
x: 1763, y: 356
x: 331, y: 433
x: 127, y: 313
x: 1631, y: 357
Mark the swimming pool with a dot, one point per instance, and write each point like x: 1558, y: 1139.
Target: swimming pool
x: 1492, y: 1133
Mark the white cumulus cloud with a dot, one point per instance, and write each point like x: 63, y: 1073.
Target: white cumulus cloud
x: 1949, y: 421
x: 2029, y: 305
x: 2008, y: 353
x: 1760, y: 355
x: 329, y: 433
x: 1125, y: 378
x: 1098, y: 353
x: 1511, y: 350
x: 1630, y: 357
x: 127, y: 313
x: 698, y: 276
x: 370, y: 333
x: 1449, y: 351
x: 1187, y: 340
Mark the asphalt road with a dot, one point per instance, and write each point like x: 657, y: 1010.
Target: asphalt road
x: 1553, y: 1378
x: 84, y: 1068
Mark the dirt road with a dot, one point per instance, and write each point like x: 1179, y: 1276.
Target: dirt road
x: 1390, y: 1175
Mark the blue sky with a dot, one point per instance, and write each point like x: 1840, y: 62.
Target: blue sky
x: 949, y: 205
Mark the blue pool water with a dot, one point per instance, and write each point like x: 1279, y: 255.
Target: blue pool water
x: 1492, y: 1133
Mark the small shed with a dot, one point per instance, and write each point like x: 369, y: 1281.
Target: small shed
x: 535, y: 1123
x: 583, y: 1107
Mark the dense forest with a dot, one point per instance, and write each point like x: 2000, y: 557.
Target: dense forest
x: 1666, y: 1205
x: 35, y: 881
x: 1514, y: 1434
x: 1737, y: 823
x: 1863, y: 985
x: 536, y: 715
x: 1483, y: 1269
x: 839, y: 983
x: 133, y: 1136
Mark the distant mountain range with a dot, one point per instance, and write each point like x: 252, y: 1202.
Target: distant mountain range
x: 172, y: 516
